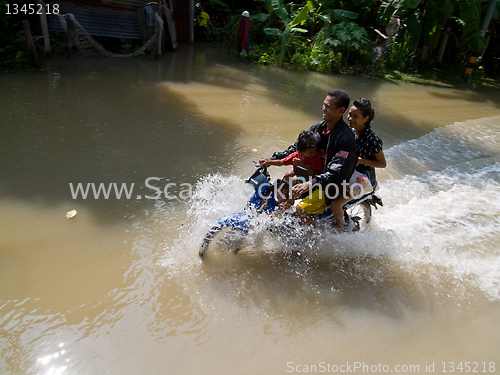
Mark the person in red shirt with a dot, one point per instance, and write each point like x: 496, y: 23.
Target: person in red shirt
x: 306, y: 156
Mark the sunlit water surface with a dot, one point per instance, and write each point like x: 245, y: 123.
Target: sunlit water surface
x: 120, y: 289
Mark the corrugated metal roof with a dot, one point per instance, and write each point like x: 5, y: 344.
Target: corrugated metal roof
x: 119, y: 19
x: 111, y: 18
x: 129, y: 6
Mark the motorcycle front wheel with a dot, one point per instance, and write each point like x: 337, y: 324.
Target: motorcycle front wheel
x: 222, y: 239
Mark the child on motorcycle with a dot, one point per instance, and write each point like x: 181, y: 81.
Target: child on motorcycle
x: 306, y: 156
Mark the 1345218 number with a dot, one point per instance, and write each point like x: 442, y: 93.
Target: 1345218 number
x: 28, y: 9
x: 480, y: 367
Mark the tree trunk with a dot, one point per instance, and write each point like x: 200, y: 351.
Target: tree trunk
x: 425, y: 53
x: 444, y: 42
x: 486, y: 42
x: 45, y: 29
x: 487, y: 18
x: 159, y: 31
x: 30, y: 43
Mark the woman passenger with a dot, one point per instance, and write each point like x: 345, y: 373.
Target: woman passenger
x: 368, y: 146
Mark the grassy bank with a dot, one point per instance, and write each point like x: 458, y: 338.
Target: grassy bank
x: 436, y: 77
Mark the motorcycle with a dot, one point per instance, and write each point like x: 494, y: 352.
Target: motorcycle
x: 357, y: 213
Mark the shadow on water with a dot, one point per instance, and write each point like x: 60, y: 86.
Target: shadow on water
x: 102, y: 121
x: 479, y: 96
x: 411, y: 109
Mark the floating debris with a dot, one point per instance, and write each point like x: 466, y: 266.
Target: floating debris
x: 70, y: 214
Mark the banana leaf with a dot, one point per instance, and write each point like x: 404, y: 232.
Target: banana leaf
x: 279, y: 9
x: 302, y: 15
x: 272, y: 31
x: 471, y: 15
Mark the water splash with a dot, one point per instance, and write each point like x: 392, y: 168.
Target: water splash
x: 454, y: 226
x: 437, y: 244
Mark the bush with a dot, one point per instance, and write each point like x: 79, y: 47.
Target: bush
x: 399, y: 55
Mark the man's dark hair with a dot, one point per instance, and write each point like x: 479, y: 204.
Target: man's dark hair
x: 366, y: 109
x: 307, y: 139
x: 341, y: 98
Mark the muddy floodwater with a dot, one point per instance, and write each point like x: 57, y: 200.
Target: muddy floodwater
x: 120, y: 289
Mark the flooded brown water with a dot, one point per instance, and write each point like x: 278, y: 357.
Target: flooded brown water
x: 120, y: 289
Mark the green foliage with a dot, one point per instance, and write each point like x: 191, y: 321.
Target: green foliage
x: 279, y: 9
x: 470, y: 13
x: 127, y: 48
x: 260, y: 17
x: 412, y: 4
x: 413, y: 29
x: 4, y: 18
x: 342, y: 15
x: 321, y: 35
x: 300, y: 18
x: 348, y: 36
x: 317, y: 55
x: 220, y: 26
x: 222, y: 4
x: 265, y: 59
x: 345, y: 37
x: 296, y: 22
x: 324, y: 14
x: 400, y: 54
x: 331, y: 35
x: 290, y: 34
x: 13, y: 50
x: 433, y: 23
x: 320, y: 60
x: 426, y: 20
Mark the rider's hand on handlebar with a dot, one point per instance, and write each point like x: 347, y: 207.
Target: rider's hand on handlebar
x: 300, y: 189
x: 264, y: 161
